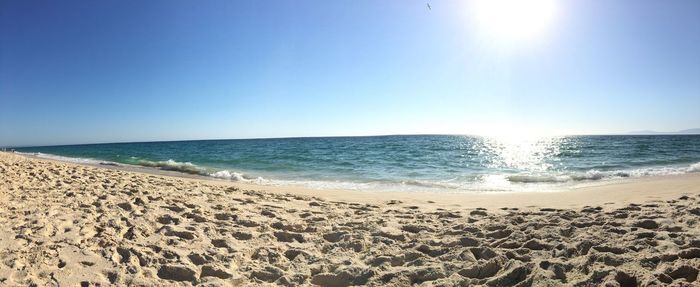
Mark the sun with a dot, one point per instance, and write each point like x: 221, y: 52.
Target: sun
x: 514, y: 21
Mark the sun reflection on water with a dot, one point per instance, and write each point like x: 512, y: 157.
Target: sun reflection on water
x: 521, y: 154
x: 519, y: 159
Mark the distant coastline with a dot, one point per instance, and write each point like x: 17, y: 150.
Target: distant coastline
x: 681, y: 132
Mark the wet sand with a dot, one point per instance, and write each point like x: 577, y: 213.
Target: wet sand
x: 70, y: 225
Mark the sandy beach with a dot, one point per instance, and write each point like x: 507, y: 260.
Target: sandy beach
x: 75, y: 225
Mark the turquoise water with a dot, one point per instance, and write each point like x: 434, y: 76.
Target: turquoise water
x: 420, y: 162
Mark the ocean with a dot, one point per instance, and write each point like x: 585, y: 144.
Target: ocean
x: 448, y: 163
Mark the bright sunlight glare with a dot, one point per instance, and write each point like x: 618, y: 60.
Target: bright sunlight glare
x: 514, y: 21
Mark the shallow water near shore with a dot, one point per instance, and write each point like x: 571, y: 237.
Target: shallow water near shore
x: 420, y: 162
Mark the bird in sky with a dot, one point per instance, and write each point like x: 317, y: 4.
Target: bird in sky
x: 429, y: 7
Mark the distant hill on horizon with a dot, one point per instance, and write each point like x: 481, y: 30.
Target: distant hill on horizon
x: 681, y: 132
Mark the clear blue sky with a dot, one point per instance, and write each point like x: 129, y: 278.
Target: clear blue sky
x: 106, y: 71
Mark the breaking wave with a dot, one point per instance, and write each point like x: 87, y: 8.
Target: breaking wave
x: 186, y: 167
x: 593, y: 175
x: 190, y: 168
x: 230, y: 175
x: 694, y: 167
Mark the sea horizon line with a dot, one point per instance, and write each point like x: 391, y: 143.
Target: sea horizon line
x: 337, y: 136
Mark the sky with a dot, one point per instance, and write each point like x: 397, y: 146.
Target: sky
x: 119, y: 71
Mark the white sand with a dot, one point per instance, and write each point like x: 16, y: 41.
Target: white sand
x: 70, y: 225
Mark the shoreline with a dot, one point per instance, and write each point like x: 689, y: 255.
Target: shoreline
x: 610, y: 194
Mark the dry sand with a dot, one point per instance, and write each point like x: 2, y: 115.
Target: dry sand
x: 70, y: 225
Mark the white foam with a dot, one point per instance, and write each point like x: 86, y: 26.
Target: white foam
x: 68, y: 159
x: 596, y: 175
x: 657, y: 171
x: 537, y: 178
x: 429, y: 184
x: 694, y: 167
x: 225, y: 174
x: 591, y: 175
x: 482, y: 183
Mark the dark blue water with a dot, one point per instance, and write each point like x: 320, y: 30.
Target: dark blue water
x: 419, y: 162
